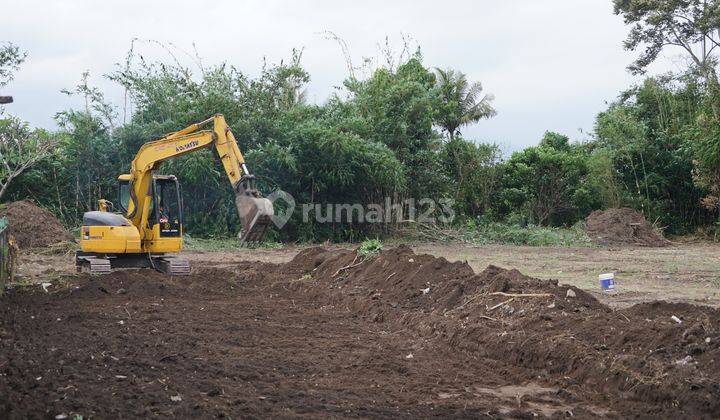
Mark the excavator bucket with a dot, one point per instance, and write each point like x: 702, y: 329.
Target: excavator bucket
x: 255, y: 212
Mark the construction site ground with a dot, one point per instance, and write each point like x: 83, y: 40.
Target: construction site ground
x: 264, y: 333
x: 685, y: 272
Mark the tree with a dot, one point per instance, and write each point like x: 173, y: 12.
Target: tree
x: 319, y: 164
x: 90, y: 158
x: 655, y: 143
x: 546, y: 185
x: 10, y: 59
x: 20, y: 148
x: 626, y: 135
x: 687, y: 24
x: 691, y: 25
x: 395, y: 107
x: 555, y: 141
x: 475, y: 170
x: 461, y: 103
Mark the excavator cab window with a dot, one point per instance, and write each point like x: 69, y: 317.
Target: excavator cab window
x: 167, y: 208
x: 123, y: 196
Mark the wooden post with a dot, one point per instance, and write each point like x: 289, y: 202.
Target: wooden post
x: 5, y: 257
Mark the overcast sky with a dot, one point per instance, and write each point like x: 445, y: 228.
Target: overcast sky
x: 552, y: 64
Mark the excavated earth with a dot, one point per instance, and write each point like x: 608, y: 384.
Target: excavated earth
x: 32, y: 226
x: 622, y: 226
x: 335, y: 334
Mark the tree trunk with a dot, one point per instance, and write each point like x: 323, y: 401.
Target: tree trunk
x: 4, y: 187
x: 714, y: 87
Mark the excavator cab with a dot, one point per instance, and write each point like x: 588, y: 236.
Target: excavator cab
x: 168, y: 211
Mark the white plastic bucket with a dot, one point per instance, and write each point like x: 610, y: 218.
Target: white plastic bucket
x: 607, y: 282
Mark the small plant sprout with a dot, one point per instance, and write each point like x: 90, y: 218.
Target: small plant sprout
x: 370, y: 247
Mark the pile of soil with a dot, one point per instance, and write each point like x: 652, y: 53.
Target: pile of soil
x: 332, y: 333
x: 622, y: 226
x: 32, y: 226
x: 559, y: 333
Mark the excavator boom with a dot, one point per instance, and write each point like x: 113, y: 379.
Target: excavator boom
x: 255, y: 212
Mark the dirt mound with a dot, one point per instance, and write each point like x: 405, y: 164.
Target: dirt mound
x: 622, y: 226
x: 558, y: 332
x: 404, y: 279
x: 32, y: 226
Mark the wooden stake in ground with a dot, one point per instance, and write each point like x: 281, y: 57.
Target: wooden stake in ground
x: 501, y: 304
x: 519, y: 295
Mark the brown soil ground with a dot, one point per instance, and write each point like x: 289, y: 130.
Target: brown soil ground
x: 32, y: 226
x: 622, y: 226
x: 332, y: 334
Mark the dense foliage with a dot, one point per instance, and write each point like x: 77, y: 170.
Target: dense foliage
x: 397, y: 134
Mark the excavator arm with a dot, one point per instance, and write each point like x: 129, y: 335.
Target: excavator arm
x: 255, y: 212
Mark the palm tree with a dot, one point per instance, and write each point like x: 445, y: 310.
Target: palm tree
x: 460, y: 105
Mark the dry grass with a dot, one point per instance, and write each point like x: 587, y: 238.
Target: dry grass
x: 685, y: 272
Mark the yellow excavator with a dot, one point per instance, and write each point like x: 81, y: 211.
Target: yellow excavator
x: 148, y: 228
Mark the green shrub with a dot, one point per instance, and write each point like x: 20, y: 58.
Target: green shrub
x: 531, y: 235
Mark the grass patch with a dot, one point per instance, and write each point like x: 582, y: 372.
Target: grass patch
x: 499, y: 233
x: 221, y: 244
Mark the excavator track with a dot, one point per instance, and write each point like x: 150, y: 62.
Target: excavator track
x: 104, y: 264
x: 173, y: 266
x: 93, y: 265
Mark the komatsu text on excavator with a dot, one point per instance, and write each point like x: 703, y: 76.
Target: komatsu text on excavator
x: 149, y: 224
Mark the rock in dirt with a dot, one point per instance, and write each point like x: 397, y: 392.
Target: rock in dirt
x: 684, y: 361
x: 32, y: 226
x: 214, y: 392
x: 622, y: 226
